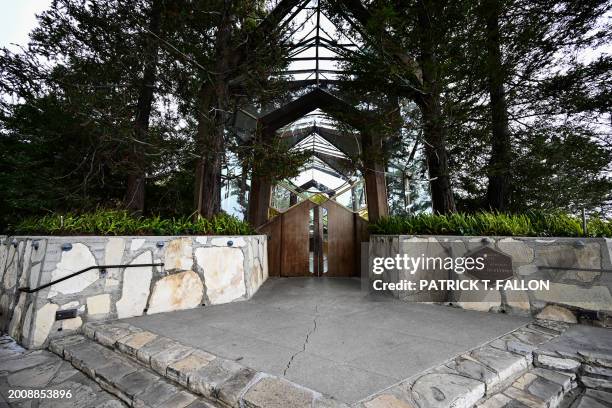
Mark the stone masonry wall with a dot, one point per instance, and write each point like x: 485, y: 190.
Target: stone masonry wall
x: 568, y: 263
x: 199, y: 270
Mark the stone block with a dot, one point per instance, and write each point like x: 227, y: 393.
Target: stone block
x: 154, y: 347
x: 518, y: 250
x: 231, y: 390
x: 524, y: 397
x: 587, y: 298
x: 113, y: 251
x: 160, y: 361
x: 598, y: 395
x: 115, y: 371
x: 77, y: 258
x: 137, y: 382
x: 97, y: 305
x: 563, y: 255
x: 38, y: 376
x: 136, y: 244
x: 473, y: 369
x: 207, y: 380
x: 89, y: 329
x: 179, y: 291
x: 109, y: 334
x: 57, y: 345
x: 181, y: 399
x: 88, y: 357
x: 566, y: 380
x: 542, y: 388
x: 555, y: 363
x: 597, y: 383
x: 134, y: 342
x: 72, y: 324
x: 437, y: 390
x: 506, y: 365
x: 178, y: 255
x: 223, y: 273
x: 45, y: 317
x: 136, y: 285
x: 557, y: 313
x: 589, y: 402
x: 273, y: 392
x: 156, y: 394
x: 180, y: 370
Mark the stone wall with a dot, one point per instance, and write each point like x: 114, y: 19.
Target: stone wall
x: 575, y: 267
x: 197, y: 271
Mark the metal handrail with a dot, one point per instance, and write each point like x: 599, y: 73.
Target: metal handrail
x: 27, y: 289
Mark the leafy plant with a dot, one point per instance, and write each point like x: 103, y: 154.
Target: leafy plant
x: 113, y: 222
x: 533, y: 223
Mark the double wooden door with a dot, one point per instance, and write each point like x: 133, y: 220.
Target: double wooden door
x: 312, y: 239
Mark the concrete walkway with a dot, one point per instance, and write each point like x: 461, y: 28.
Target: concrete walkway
x: 326, y: 335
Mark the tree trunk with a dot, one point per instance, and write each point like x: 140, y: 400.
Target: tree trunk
x: 434, y: 132
x: 214, y: 98
x: 499, y: 163
x: 211, y: 145
x: 135, y: 193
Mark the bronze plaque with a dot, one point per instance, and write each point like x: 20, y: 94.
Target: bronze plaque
x: 497, y: 265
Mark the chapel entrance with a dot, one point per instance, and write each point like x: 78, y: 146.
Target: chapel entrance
x: 315, y: 239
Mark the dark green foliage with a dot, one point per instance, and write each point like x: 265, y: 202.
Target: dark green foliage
x: 530, y: 224
x: 112, y: 222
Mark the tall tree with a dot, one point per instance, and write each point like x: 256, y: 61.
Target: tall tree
x: 498, y: 170
x: 135, y: 194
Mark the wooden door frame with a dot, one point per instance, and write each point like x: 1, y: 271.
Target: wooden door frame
x: 285, y: 254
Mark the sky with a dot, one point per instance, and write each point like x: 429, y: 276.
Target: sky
x: 17, y: 19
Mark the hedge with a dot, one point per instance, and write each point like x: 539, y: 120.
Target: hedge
x: 112, y: 222
x: 530, y: 224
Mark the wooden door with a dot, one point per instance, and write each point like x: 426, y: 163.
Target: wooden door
x: 341, y: 245
x: 314, y: 240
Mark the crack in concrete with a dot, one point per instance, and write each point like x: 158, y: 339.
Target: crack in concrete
x: 310, y: 332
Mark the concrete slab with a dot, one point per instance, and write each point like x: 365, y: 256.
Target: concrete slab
x: 325, y: 334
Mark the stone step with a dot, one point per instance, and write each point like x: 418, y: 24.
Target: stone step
x: 593, y: 399
x: 194, y: 371
x: 538, y: 388
x: 44, y: 379
x: 482, y: 375
x: 132, y: 383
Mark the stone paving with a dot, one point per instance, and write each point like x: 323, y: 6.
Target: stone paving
x: 494, y: 375
x: 327, y: 335
x: 21, y: 369
x: 147, y: 370
x: 538, y: 364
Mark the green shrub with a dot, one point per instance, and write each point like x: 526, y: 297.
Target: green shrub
x: 532, y: 223
x: 113, y: 222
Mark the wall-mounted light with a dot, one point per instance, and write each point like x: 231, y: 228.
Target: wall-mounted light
x: 579, y: 244
x: 15, y: 243
x: 67, y: 246
x: 230, y: 243
x: 160, y: 244
x: 35, y: 245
